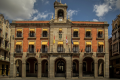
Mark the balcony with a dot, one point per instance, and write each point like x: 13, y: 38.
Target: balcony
x: 114, y: 29
x: 100, y: 52
x: 100, y: 37
x: 31, y: 52
x: 76, y: 36
x: 32, y: 36
x: 62, y: 50
x: 88, y: 52
x: 88, y: 37
x: 18, y: 53
x: 75, y: 50
x: 44, y: 36
x: 19, y: 36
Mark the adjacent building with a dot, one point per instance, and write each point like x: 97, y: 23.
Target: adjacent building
x: 59, y: 47
x: 4, y: 46
x: 114, y: 45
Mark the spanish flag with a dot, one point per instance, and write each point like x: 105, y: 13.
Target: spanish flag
x: 54, y: 39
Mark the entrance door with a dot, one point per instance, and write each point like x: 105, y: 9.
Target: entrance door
x: 60, y: 68
x: 7, y: 70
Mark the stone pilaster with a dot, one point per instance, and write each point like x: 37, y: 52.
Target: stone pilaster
x: 51, y: 73
x: 106, y: 53
x: 95, y: 69
x: 39, y: 68
x: 23, y: 70
x: 68, y: 67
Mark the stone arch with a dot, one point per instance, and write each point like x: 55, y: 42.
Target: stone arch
x: 60, y: 67
x: 32, y: 68
x: 60, y: 13
x: 89, y: 67
x: 18, y: 67
x: 100, y: 67
x: 75, y: 68
x: 44, y: 68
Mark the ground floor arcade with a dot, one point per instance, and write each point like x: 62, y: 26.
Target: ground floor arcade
x: 59, y: 66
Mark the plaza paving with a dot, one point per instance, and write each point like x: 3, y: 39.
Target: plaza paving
x: 59, y: 78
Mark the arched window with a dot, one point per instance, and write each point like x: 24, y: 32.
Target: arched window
x: 61, y: 14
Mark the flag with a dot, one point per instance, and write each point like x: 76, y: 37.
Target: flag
x: 54, y: 39
x: 66, y: 40
x: 48, y: 43
x: 71, y: 41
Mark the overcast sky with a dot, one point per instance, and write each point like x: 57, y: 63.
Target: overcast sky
x: 79, y: 10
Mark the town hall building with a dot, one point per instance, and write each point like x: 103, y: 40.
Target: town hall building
x: 59, y: 47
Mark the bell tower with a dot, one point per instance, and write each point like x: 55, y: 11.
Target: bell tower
x: 60, y: 12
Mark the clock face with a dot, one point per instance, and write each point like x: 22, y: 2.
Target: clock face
x: 60, y: 19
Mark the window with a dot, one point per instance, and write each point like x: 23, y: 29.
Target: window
x: 115, y: 25
x: 4, y: 55
x: 44, y: 48
x: 115, y: 47
x: 75, y: 48
x: 32, y: 34
x: 100, y: 48
x: 88, y: 34
x: 100, y: 35
x: 75, y: 34
x: 88, y: 48
x: 6, y: 44
x: 18, y: 48
x: 44, y: 33
x: 19, y: 34
x: 60, y: 33
x: 31, y: 48
x: 60, y: 48
x: 6, y: 35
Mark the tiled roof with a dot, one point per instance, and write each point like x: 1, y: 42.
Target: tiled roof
x: 31, y: 21
x: 85, y: 22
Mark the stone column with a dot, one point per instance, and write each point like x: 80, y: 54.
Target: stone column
x: 52, y: 68
x: 95, y: 69
x: 68, y: 67
x: 23, y: 70
x: 39, y: 68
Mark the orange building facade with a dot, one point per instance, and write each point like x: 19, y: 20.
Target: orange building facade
x: 59, y: 47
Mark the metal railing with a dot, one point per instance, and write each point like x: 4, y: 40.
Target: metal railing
x: 75, y: 50
x: 100, y: 50
x: 18, y: 50
x: 88, y: 50
x: 62, y: 50
x: 32, y: 50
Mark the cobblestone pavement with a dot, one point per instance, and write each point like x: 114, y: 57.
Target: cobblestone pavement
x: 33, y: 78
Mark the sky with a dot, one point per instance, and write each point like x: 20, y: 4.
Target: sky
x: 78, y: 10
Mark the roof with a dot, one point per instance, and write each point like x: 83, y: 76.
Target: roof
x: 87, y: 22
x: 30, y: 21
